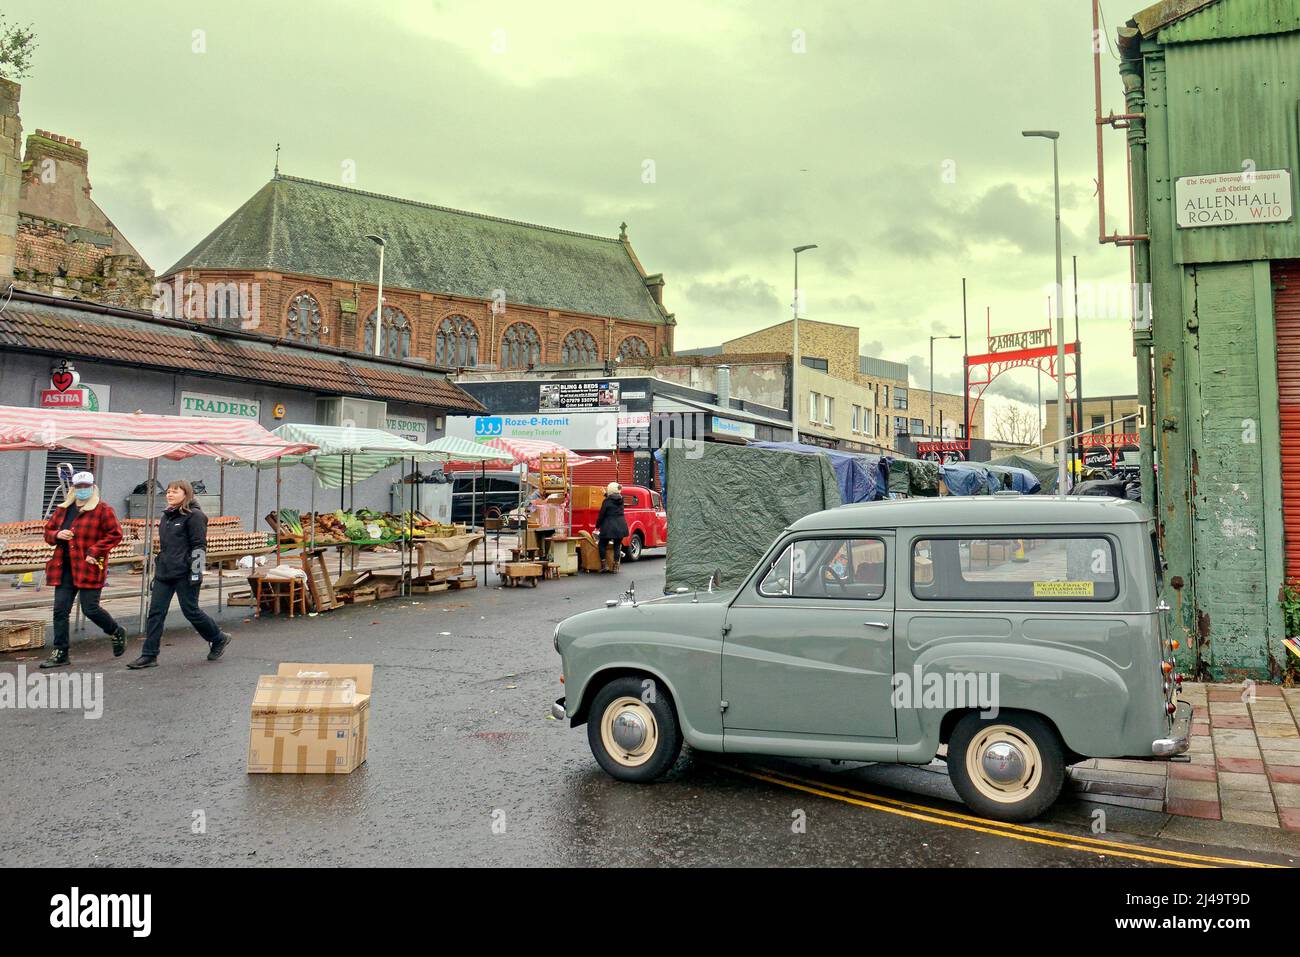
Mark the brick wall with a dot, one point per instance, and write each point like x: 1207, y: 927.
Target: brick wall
x: 345, y: 307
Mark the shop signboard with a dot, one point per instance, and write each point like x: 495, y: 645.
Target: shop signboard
x: 1233, y: 199
x: 209, y: 406
x: 743, y: 430
x: 67, y: 391
x: 578, y: 394
x: 634, y: 430
x: 582, y: 431
x: 408, y: 427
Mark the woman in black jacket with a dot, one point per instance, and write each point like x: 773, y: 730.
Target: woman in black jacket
x: 178, y: 570
x: 611, y: 526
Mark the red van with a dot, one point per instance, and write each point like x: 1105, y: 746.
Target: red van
x: 647, y: 522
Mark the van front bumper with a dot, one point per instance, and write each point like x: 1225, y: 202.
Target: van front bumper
x: 1177, y: 741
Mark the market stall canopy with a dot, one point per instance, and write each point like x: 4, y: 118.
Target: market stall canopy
x: 347, y: 454
x: 449, y: 448
x: 529, y: 451
x: 141, y: 436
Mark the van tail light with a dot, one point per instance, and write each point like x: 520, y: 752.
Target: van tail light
x: 1166, y: 667
x: 1173, y: 643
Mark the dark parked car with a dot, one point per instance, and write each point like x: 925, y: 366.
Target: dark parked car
x: 474, y: 494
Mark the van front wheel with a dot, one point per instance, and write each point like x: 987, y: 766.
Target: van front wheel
x: 1008, y: 768
x: 632, y: 729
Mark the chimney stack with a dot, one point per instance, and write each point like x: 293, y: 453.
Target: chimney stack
x: 723, y: 387
x: 11, y: 175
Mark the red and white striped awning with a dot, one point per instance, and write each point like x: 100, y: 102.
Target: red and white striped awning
x: 531, y: 450
x: 139, y: 436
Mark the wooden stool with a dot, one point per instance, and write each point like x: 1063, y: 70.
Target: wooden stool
x: 277, y: 591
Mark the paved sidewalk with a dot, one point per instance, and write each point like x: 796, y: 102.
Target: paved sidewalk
x: 1244, y: 768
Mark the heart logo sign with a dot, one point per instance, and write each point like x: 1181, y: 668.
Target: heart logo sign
x: 64, y: 378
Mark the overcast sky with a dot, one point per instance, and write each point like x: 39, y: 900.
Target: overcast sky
x: 723, y: 134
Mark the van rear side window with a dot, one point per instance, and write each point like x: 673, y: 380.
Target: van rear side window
x: 1062, y: 568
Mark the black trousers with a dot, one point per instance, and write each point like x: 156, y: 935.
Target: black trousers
x: 616, y: 544
x: 64, y: 593
x: 161, y: 599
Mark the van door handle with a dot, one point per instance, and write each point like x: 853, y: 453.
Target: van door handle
x: 876, y: 624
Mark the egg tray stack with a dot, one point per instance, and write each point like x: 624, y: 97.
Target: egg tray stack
x: 10, y: 530
x: 232, y: 543
x: 25, y: 551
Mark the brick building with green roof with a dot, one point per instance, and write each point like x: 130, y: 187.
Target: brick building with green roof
x: 461, y: 289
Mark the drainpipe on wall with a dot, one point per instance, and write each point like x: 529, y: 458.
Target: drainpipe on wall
x: 1135, y: 101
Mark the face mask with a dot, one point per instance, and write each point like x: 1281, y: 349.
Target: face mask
x: 83, y: 494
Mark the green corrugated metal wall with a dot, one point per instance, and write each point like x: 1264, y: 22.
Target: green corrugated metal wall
x: 1212, y: 105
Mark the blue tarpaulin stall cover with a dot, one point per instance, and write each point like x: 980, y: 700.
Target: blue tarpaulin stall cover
x: 861, y: 477
x: 1016, y: 479
x: 969, y: 478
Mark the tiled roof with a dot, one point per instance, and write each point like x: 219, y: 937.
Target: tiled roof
x: 66, y: 331
x: 307, y: 228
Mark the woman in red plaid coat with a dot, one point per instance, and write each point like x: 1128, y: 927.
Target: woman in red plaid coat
x: 83, y: 530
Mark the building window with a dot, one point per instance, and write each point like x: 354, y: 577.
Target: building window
x: 830, y: 411
x: 900, y: 398
x: 520, y: 347
x: 867, y: 426
x: 579, y: 349
x: 918, y: 427
x: 857, y: 415
x: 633, y: 347
x: 396, y: 333
x: 814, y: 405
x: 900, y: 425
x: 884, y: 395
x: 1098, y: 421
x: 303, y: 320
x: 961, y: 431
x: 821, y: 365
x: 455, y: 344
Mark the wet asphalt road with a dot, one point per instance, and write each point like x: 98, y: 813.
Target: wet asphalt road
x: 459, y: 738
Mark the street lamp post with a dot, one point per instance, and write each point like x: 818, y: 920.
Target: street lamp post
x: 1054, y: 136
x: 932, y: 338
x: 379, y: 308
x: 794, y: 365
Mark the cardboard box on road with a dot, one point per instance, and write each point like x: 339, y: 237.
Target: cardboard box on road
x: 310, y: 719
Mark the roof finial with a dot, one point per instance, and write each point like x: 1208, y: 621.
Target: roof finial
x: 277, y: 161
x: 622, y: 231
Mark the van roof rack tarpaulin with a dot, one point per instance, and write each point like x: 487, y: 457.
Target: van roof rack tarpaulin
x: 728, y: 503
x: 862, y: 477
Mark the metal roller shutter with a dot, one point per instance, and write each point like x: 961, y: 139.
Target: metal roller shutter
x: 1286, y: 312
x: 617, y: 469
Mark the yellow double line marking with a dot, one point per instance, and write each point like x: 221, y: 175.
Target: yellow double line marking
x: 1015, y: 832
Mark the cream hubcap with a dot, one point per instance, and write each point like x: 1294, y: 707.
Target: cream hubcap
x: 629, y: 732
x: 1004, y: 764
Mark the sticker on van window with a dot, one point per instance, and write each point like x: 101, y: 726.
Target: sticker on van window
x: 1063, y: 590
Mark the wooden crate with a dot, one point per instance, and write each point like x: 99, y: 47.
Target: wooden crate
x: 462, y: 581
x: 17, y: 635
x: 319, y: 587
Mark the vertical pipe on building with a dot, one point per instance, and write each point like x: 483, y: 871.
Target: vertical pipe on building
x: 1135, y: 100
x: 965, y: 368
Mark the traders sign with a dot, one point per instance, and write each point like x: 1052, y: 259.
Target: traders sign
x: 1233, y: 199
x: 204, y: 405
x: 587, y: 394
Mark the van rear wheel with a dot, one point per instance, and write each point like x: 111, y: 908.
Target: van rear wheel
x: 1008, y: 768
x: 634, y: 546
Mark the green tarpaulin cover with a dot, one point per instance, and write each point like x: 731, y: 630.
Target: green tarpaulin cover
x: 728, y: 503
x: 913, y: 477
x: 1044, y: 471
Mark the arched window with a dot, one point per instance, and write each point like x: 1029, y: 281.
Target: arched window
x: 456, y: 343
x: 303, y: 319
x: 396, y: 333
x: 520, y: 347
x: 633, y: 347
x: 579, y: 349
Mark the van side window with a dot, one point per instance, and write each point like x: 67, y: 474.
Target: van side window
x: 1060, y: 568
x: 852, y: 568
x: 631, y: 500
x: 655, y: 500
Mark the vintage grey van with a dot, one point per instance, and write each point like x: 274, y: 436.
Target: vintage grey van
x: 1023, y: 632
